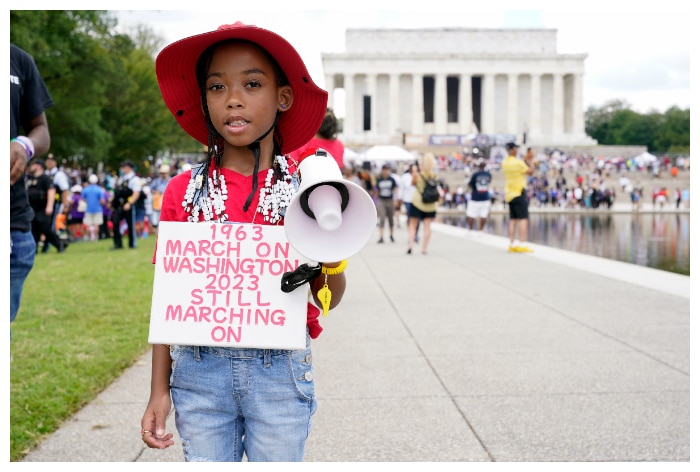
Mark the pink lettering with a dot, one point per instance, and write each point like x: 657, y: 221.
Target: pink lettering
x: 226, y: 334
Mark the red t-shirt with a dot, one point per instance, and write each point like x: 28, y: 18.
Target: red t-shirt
x: 239, y: 187
x: 334, y: 147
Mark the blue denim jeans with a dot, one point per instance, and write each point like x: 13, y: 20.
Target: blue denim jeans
x: 230, y: 402
x: 22, y: 252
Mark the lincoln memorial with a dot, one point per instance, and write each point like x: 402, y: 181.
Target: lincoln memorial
x: 442, y: 86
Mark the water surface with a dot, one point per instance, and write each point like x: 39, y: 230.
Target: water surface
x: 657, y: 240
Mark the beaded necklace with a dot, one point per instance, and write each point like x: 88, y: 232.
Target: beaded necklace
x: 273, y: 201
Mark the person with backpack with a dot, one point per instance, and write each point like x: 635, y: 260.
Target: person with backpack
x: 424, y: 202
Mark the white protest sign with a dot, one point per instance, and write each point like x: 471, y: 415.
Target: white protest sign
x: 219, y: 284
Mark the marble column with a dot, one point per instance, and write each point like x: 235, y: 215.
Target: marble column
x: 349, y: 123
x: 488, y: 104
x: 440, y: 101
x: 466, y: 116
x: 579, y: 125
x: 535, y: 125
x: 330, y: 87
x: 557, y: 105
x: 512, y: 107
x: 372, y: 92
x: 417, y: 105
x: 394, y: 105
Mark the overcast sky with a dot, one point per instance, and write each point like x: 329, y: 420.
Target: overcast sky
x: 641, y: 56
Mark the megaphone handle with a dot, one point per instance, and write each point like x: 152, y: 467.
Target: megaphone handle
x: 299, y: 276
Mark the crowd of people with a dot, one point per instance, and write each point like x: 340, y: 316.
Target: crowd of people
x: 592, y: 186
x: 556, y: 180
x: 86, y: 206
x: 578, y: 181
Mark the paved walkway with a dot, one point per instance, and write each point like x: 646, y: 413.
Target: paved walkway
x: 469, y: 353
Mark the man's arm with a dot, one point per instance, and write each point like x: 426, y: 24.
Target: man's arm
x: 39, y: 134
x: 50, y: 199
x: 131, y: 201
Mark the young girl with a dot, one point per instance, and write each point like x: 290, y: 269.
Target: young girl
x: 245, y: 93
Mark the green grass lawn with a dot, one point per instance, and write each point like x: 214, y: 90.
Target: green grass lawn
x: 84, y: 318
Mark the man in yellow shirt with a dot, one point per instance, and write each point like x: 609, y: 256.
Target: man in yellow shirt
x: 515, y: 171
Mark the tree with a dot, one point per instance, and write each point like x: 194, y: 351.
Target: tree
x: 108, y: 104
x: 615, y: 123
x: 598, y: 119
x: 673, y: 134
x: 68, y: 49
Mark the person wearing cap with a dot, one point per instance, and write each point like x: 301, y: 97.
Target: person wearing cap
x: 126, y: 193
x: 515, y: 172
x: 76, y: 214
x: 157, y: 186
x: 246, y: 94
x: 42, y: 193
x: 479, y: 203
x: 29, y: 100
x: 93, y: 194
x: 62, y: 183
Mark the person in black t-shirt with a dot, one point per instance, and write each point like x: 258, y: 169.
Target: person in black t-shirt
x: 42, y: 197
x: 29, y: 99
x: 479, y: 203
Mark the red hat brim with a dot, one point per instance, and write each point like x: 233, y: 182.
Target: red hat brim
x: 176, y: 72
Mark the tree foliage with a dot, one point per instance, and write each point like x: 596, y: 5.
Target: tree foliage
x: 108, y: 106
x: 615, y: 123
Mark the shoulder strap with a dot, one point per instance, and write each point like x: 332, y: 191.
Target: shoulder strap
x: 429, y: 182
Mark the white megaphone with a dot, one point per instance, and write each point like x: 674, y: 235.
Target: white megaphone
x: 330, y: 218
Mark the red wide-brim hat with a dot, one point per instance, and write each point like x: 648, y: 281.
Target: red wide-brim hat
x: 176, y: 73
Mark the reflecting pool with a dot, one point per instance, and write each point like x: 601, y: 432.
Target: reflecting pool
x: 657, y: 240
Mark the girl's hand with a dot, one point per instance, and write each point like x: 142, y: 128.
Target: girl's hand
x: 153, y: 424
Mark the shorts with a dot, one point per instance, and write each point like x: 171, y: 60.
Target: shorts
x: 421, y: 215
x: 519, y: 208
x: 154, y: 218
x: 93, y: 219
x: 478, y: 209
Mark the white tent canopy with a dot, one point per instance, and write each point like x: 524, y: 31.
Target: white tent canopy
x: 386, y: 153
x: 645, y: 158
x: 349, y: 156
